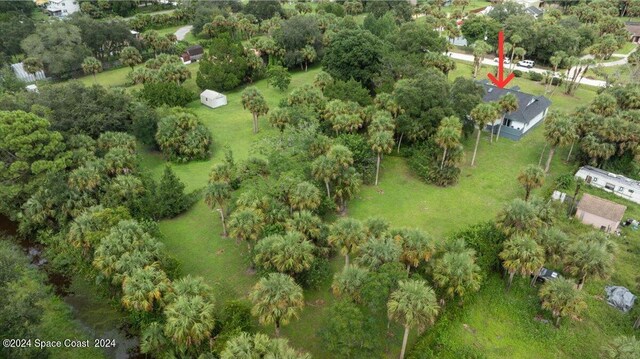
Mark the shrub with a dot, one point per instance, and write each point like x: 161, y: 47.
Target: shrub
x: 487, y: 241
x: 166, y: 93
x: 350, y: 90
x: 364, y: 160
x: 534, y: 76
x: 517, y: 73
x: 279, y: 77
x: 317, y: 275
x: 182, y: 137
x: 556, y: 81
x: 425, y: 164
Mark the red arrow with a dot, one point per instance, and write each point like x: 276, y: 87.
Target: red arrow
x: 501, y: 82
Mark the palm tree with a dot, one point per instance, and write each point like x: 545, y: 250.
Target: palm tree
x: 308, y: 54
x: 245, y: 345
x: 347, y: 234
x: 291, y: 253
x: 417, y: 246
x: 189, y: 321
x: 218, y: 193
x: 276, y: 300
x: 559, y: 130
x: 33, y: 65
x: 448, y: 135
x: 153, y: 341
x: 483, y: 114
x: 145, y: 288
x: 561, y: 297
x: 322, y: 80
x: 514, y: 40
x: 253, y: 100
x: 349, y: 282
x: 554, y: 242
x: 531, y: 177
x: 376, y: 227
x: 521, y: 254
x: 279, y: 118
x: 130, y: 56
x: 304, y: 196
x: 376, y: 252
x: 518, y: 217
x: 413, y: 304
x: 480, y: 49
x: 508, y: 103
x: 380, y: 142
x: 589, y: 256
x: 246, y: 225
x: 621, y: 347
x: 323, y: 169
x: 306, y: 223
x: 91, y: 65
x: 456, y: 271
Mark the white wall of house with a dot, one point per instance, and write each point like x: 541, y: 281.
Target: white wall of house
x: 533, y: 122
x: 63, y: 7
x: 610, y: 184
x: 597, y: 221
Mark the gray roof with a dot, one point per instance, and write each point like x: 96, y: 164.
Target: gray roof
x: 534, y: 11
x: 529, y: 106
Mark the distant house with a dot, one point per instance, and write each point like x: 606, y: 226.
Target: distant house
x: 59, y: 8
x: 600, y: 213
x: 212, y: 99
x: 531, y: 111
x: 534, y: 11
x: 192, y: 54
x: 620, y: 185
x: 634, y: 31
x: 525, y: 3
x: 23, y: 75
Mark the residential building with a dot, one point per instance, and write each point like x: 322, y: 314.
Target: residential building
x: 600, y: 213
x: 531, y: 111
x: 620, y: 185
x: 60, y: 8
x: 634, y: 31
x: 23, y: 75
x: 192, y: 54
x: 536, y: 12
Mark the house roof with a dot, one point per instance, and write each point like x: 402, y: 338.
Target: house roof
x: 534, y: 11
x: 633, y: 28
x: 529, y: 106
x: 615, y: 178
x: 601, y: 207
x: 194, y: 50
x: 211, y: 94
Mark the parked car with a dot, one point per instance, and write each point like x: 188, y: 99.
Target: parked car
x: 526, y: 63
x: 506, y: 60
x: 547, y: 275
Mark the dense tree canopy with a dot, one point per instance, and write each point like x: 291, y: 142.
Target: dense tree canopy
x: 354, y: 54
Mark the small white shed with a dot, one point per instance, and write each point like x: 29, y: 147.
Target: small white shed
x: 213, y: 99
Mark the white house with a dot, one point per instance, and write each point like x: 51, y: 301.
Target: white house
x: 531, y: 111
x: 60, y: 8
x: 23, y: 75
x: 620, y: 185
x: 212, y: 99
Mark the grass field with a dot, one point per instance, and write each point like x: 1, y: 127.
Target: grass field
x: 194, y: 237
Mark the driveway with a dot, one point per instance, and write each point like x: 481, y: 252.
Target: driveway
x: 183, y: 31
x: 469, y: 58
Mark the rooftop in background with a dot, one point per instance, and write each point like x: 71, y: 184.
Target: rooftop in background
x: 529, y: 106
x: 633, y: 27
x: 601, y: 207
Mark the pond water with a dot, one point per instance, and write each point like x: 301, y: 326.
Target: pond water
x: 93, y: 313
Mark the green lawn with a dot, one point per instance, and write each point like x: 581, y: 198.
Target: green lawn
x: 194, y: 237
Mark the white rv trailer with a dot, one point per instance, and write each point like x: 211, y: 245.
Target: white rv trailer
x: 611, y: 182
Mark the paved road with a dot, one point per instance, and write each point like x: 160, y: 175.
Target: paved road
x: 469, y: 58
x: 183, y: 31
